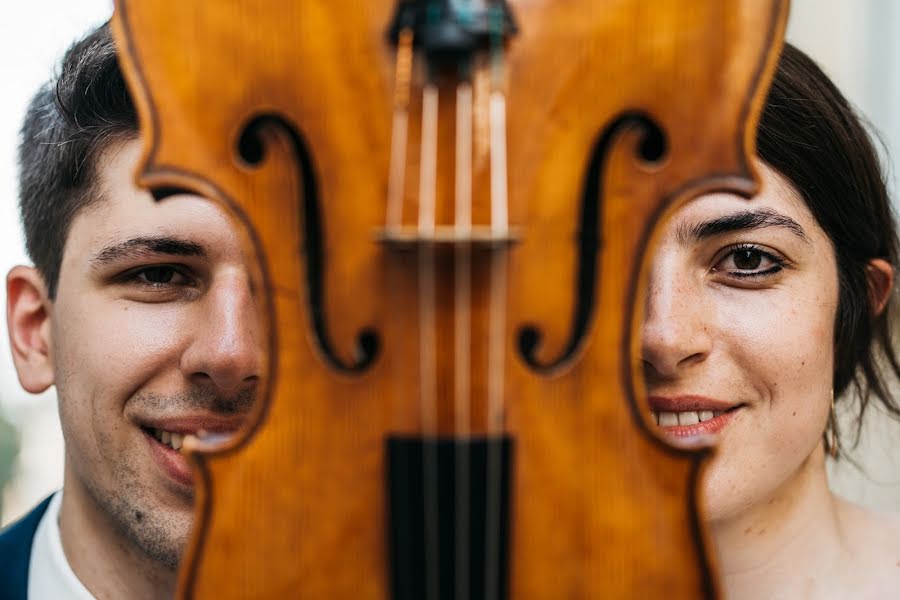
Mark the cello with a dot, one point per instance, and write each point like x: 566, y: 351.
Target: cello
x: 450, y: 206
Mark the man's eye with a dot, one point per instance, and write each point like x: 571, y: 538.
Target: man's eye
x: 160, y: 276
x: 749, y: 261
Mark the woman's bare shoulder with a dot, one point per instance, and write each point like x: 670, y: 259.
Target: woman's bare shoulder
x: 873, y: 541
x: 881, y: 525
x: 870, y: 528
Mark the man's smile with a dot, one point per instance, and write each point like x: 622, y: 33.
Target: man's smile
x: 171, y: 461
x: 165, y: 437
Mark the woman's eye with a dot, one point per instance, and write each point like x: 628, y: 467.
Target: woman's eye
x: 749, y: 261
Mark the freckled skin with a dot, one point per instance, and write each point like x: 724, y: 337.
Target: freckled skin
x: 764, y: 342
x: 122, y: 347
x: 746, y: 341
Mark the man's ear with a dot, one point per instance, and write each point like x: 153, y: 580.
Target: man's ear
x: 28, y: 321
x: 880, y: 274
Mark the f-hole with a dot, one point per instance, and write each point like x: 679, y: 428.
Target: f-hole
x: 651, y: 150
x: 251, y: 149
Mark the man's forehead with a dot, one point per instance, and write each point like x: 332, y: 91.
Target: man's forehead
x: 125, y: 219
x: 127, y: 226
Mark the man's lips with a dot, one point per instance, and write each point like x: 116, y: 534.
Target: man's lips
x: 162, y: 433
x: 193, y: 424
x: 170, y: 461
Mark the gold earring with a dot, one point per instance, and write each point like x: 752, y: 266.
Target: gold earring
x: 833, y: 444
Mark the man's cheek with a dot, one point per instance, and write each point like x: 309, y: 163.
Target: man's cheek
x: 143, y: 347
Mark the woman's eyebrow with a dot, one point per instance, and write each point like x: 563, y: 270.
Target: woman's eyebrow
x: 137, y: 246
x: 741, y: 221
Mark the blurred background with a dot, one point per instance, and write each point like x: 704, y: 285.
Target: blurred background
x: 853, y: 40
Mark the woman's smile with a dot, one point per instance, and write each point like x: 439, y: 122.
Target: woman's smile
x: 685, y: 416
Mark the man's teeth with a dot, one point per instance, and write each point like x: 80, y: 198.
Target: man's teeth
x: 690, y: 417
x: 173, y: 440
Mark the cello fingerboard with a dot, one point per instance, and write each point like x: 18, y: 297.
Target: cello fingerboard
x: 449, y: 504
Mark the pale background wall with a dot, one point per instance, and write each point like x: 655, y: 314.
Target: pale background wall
x: 852, y: 39
x: 33, y: 36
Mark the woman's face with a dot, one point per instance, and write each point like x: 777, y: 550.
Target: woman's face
x: 738, y: 338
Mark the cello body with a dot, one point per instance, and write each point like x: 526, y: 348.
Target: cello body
x: 496, y: 412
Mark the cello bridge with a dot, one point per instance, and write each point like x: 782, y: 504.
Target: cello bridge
x: 408, y: 238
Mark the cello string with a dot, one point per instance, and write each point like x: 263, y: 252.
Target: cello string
x: 397, y: 169
x: 428, y: 161
x: 427, y: 337
x: 497, y: 317
x: 481, y: 85
x: 495, y: 419
x: 462, y: 330
x: 499, y: 205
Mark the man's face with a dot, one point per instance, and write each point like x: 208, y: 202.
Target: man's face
x: 154, y: 334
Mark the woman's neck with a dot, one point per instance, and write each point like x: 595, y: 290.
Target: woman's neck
x: 789, y: 546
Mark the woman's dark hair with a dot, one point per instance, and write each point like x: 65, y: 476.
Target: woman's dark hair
x: 812, y: 136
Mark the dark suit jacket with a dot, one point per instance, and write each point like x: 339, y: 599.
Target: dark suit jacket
x: 15, y: 553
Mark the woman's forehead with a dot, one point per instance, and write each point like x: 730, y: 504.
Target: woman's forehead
x: 777, y: 203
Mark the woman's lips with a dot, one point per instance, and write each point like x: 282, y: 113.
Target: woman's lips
x: 708, y: 427
x: 691, y: 415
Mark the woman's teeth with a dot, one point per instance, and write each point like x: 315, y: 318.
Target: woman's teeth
x: 691, y: 417
x: 173, y: 440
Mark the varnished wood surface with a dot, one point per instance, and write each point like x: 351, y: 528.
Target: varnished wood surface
x: 296, y: 507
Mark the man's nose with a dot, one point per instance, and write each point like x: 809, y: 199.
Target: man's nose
x: 226, y: 349
x: 677, y: 322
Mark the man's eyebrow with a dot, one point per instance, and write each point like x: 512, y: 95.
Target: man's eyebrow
x: 739, y: 221
x: 172, y: 246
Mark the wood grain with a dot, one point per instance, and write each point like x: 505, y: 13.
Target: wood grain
x: 296, y: 506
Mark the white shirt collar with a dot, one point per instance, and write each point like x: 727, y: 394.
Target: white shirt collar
x: 50, y: 575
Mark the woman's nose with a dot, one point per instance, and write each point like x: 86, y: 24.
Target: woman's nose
x: 226, y: 349
x: 677, y: 321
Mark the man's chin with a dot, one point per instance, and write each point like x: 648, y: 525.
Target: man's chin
x: 152, y: 518
x: 161, y: 534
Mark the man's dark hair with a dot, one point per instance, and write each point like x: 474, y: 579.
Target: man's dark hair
x: 68, y: 123
x: 811, y: 135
